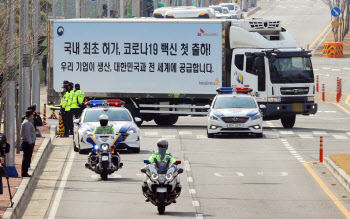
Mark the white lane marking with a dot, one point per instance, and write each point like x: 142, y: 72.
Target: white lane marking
x: 239, y: 174
x: 187, y: 166
x: 330, y: 111
x: 260, y: 173
x: 199, y: 216
x: 185, y: 133
x: 114, y: 176
x: 326, y: 68
x: 139, y: 175
x: 292, y: 151
x: 287, y: 132
x: 284, y: 140
x: 168, y: 136
x: 348, y: 133
x: 288, y: 146
x: 347, y: 68
x: 218, y: 174
x: 195, y: 203
x: 192, y: 191
x: 190, y: 179
x: 62, y: 185
x: 201, y: 136
x: 319, y: 133
x: 151, y: 133
x: 340, y: 137
x: 305, y: 136
x: 95, y: 176
x: 335, y: 69
x: 316, y: 69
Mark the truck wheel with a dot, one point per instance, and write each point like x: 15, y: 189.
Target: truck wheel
x: 288, y: 121
x: 134, y: 112
x: 166, y: 120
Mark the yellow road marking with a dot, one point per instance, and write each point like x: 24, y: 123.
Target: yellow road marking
x: 326, y: 190
x: 346, y: 102
x: 320, y: 36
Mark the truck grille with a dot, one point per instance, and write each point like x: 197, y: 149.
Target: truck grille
x: 294, y: 90
x: 264, y: 24
x: 293, y: 99
x: 234, y: 119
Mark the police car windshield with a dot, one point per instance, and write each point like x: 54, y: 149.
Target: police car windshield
x: 113, y: 115
x: 234, y: 102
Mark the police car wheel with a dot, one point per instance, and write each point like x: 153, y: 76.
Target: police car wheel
x: 136, y: 150
x: 210, y: 135
x: 259, y: 135
x: 76, y: 149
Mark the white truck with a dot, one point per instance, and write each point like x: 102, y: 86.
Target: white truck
x: 166, y: 68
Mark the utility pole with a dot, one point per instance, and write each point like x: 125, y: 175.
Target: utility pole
x: 108, y: 9
x: 77, y: 9
x: 36, y: 66
x: 121, y: 9
x: 53, y: 9
x: 10, y: 97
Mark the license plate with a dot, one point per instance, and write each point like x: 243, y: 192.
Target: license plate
x: 297, y: 107
x: 235, y: 125
x: 104, y: 158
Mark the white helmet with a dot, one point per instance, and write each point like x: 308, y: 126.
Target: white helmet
x: 103, y: 119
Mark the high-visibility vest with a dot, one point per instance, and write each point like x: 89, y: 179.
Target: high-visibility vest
x: 78, y: 98
x: 64, y: 100
x: 69, y: 100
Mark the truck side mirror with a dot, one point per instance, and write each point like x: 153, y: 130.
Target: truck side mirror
x: 76, y: 121
x: 207, y: 106
x: 262, y: 106
x: 137, y: 119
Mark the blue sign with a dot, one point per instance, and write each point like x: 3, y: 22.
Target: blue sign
x: 336, y: 12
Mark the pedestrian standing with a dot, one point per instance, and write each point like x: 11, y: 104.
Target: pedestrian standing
x: 44, y: 65
x: 78, y: 102
x: 28, y: 136
x: 64, y: 102
x: 69, y: 107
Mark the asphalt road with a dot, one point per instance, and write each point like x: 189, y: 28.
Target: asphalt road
x: 225, y: 177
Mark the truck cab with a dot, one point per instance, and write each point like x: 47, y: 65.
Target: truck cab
x: 266, y: 59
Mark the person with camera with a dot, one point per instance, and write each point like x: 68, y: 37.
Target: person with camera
x: 28, y: 135
x: 37, y: 119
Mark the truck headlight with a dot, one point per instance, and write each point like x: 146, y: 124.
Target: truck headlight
x: 213, y: 117
x: 256, y: 117
x: 274, y: 99
x: 310, y: 99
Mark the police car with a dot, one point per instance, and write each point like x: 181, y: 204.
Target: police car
x: 119, y: 117
x: 234, y: 110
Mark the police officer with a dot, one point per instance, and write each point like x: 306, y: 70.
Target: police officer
x: 104, y: 128
x: 78, y: 102
x: 69, y: 114
x: 64, y: 102
x: 162, y: 154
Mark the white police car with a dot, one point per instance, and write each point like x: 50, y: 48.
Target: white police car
x: 234, y: 110
x: 119, y: 117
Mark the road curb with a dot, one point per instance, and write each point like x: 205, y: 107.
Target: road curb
x: 26, y: 183
x: 338, y: 173
x: 249, y: 13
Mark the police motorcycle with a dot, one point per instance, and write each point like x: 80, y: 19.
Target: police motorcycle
x: 104, y: 159
x: 162, y: 186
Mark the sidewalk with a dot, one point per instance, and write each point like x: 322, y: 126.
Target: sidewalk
x: 16, y: 181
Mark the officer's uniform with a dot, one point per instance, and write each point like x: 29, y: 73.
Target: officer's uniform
x: 104, y: 130
x: 77, y: 103
x: 64, y: 101
x: 68, y: 113
x: 158, y: 157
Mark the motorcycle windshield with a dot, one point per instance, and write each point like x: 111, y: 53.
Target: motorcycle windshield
x: 162, y: 166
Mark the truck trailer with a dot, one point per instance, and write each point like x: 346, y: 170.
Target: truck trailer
x: 166, y: 68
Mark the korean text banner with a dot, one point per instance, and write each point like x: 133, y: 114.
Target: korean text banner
x: 138, y: 57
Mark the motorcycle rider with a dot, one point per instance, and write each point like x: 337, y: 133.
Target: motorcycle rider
x: 160, y: 155
x: 104, y: 128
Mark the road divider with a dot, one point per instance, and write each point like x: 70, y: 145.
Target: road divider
x: 317, y: 83
x: 323, y: 93
x: 321, y: 149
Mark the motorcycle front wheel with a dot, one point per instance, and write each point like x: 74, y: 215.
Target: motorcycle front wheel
x: 104, y: 173
x: 161, y: 203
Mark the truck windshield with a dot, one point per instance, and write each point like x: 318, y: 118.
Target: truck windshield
x: 234, y: 102
x: 292, y: 70
x: 218, y: 9
x: 230, y: 7
x: 113, y: 115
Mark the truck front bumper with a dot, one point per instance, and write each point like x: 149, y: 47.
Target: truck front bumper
x: 278, y: 110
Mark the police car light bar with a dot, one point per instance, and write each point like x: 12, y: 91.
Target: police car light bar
x: 243, y: 90
x: 226, y: 90
x: 106, y: 103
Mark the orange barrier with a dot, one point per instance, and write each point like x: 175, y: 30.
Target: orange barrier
x: 321, y: 149
x: 333, y: 50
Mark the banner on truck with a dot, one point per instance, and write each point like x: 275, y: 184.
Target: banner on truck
x: 138, y: 57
